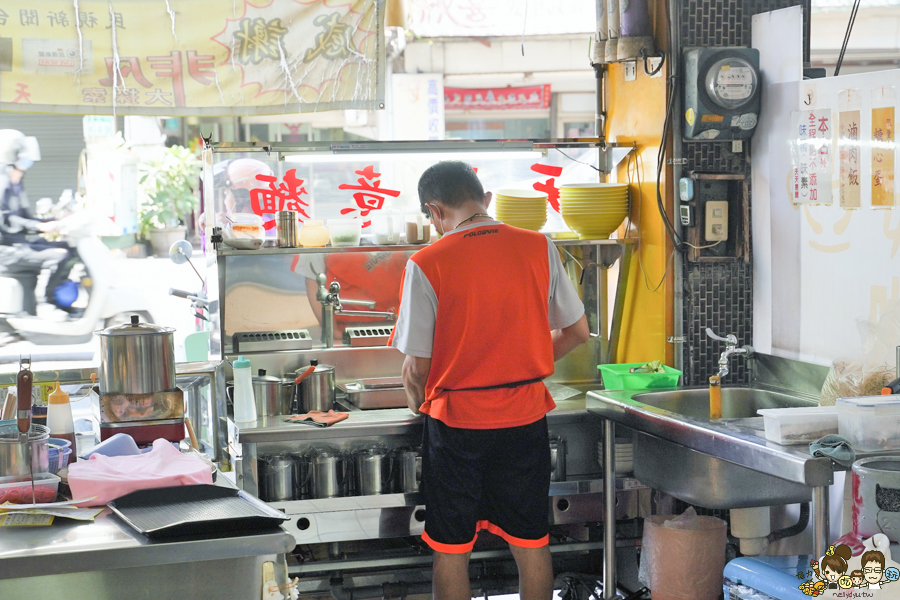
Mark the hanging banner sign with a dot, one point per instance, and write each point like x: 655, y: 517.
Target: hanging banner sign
x: 508, y: 98
x: 811, y: 156
x: 191, y: 57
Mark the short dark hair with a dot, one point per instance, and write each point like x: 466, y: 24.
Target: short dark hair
x: 872, y: 556
x: 451, y: 183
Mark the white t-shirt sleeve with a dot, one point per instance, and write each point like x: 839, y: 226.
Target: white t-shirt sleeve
x: 565, y: 305
x: 414, y: 330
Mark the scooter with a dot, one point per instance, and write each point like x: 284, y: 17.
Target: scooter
x: 106, y: 304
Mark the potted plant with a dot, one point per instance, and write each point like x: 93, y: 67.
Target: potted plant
x: 167, y: 196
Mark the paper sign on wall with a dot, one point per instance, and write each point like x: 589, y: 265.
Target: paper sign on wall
x: 811, y: 156
x: 883, y: 156
x: 849, y: 150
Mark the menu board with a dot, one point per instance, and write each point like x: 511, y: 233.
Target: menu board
x: 811, y: 157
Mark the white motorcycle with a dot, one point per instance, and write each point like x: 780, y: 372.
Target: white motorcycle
x: 93, y: 274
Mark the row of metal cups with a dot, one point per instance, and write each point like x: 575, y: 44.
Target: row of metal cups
x: 331, y: 473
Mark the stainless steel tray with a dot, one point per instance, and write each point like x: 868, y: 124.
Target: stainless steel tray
x: 366, y: 398
x: 194, y: 510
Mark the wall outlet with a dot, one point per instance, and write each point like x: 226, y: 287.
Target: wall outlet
x: 630, y: 70
x: 716, y: 221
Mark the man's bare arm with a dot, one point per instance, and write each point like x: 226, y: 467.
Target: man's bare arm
x: 415, y: 374
x: 568, y: 338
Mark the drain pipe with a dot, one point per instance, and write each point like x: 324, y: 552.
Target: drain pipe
x: 800, y: 527
x: 674, y: 59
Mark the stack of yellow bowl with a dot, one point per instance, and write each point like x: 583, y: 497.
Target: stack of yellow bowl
x: 594, y: 210
x: 521, y: 208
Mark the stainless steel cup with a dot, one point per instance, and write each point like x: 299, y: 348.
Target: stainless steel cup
x: 327, y: 475
x: 280, y: 478
x: 288, y: 230
x: 557, y: 459
x: 374, y: 470
x: 317, y: 390
x: 409, y: 471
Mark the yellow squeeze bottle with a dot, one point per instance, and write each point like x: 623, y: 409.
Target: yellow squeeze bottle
x: 715, y: 397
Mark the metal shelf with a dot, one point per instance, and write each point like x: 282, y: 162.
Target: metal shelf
x: 394, y: 248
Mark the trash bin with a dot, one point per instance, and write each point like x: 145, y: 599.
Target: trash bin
x: 683, y: 557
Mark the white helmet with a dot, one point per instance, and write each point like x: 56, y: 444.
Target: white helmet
x: 18, y: 150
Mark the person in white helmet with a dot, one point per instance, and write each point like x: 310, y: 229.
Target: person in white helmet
x: 26, y: 254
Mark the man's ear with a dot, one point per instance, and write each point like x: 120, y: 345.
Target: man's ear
x: 488, y: 196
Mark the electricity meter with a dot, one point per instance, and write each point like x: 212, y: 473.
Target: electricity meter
x: 721, y: 93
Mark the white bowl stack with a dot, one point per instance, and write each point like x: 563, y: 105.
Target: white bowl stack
x: 624, y: 456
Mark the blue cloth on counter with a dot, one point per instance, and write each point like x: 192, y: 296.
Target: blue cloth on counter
x: 834, y: 447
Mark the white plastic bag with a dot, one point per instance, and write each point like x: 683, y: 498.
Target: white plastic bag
x: 867, y: 374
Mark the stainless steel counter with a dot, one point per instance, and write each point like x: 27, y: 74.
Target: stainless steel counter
x: 367, y: 423
x: 108, y: 543
x: 107, y: 559
x: 738, y: 441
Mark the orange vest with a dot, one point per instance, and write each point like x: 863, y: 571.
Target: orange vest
x: 492, y: 328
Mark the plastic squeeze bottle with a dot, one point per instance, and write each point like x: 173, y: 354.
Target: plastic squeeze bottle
x: 244, y: 401
x: 59, y: 418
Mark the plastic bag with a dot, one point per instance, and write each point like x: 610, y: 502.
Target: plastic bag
x: 876, y: 367
x: 683, y: 557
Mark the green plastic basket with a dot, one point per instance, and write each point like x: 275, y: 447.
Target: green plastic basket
x: 617, y: 377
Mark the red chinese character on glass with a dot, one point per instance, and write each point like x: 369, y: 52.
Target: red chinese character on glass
x: 548, y: 186
x: 370, y: 195
x: 284, y: 196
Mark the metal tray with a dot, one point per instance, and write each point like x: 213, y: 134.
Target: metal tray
x: 379, y: 397
x: 194, y: 510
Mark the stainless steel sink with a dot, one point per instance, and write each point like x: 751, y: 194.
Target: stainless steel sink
x: 737, y: 403
x: 715, y: 463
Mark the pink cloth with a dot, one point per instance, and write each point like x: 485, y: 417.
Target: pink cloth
x: 109, y: 477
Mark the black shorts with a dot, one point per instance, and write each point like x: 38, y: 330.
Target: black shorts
x: 494, y: 479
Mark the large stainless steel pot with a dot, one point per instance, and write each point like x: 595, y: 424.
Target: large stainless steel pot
x: 271, y: 397
x: 14, y: 454
x: 137, y: 358
x: 316, y: 391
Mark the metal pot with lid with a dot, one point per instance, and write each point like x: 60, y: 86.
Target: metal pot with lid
x: 272, y: 399
x: 316, y: 390
x: 137, y: 358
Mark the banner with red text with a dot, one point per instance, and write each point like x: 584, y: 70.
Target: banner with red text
x: 191, y: 57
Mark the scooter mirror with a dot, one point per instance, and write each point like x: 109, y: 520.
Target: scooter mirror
x: 181, y: 252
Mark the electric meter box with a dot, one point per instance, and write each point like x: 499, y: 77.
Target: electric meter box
x: 722, y: 90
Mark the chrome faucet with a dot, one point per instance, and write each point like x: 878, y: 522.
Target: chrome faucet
x: 332, y: 303
x: 731, y: 349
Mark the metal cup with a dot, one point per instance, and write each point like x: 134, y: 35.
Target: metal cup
x: 327, y: 475
x: 409, y: 471
x: 374, y: 468
x: 280, y: 478
x: 288, y: 231
x: 557, y: 459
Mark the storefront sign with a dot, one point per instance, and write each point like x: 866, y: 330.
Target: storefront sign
x: 811, y: 157
x: 202, y: 57
x: 508, y: 98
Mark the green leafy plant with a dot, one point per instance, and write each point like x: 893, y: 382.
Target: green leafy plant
x: 167, y: 189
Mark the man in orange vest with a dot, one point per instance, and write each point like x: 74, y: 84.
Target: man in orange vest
x: 485, y: 312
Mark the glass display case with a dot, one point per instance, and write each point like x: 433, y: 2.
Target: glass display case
x: 276, y: 292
